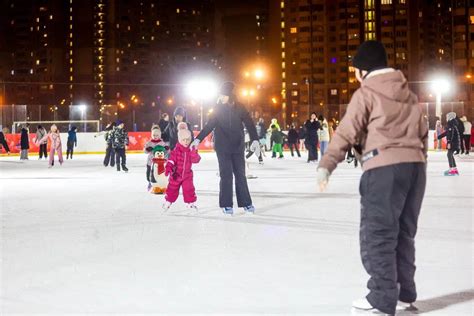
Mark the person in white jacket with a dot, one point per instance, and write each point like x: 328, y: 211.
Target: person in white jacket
x: 324, y: 137
x: 466, y: 138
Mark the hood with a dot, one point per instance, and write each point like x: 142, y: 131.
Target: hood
x: 391, y: 84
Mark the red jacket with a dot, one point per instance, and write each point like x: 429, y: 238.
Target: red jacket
x: 180, y: 162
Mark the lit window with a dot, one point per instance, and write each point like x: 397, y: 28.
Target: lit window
x: 135, y: 62
x: 282, y: 4
x: 386, y: 1
x: 71, y: 69
x: 70, y: 61
x: 12, y: 72
x: 50, y: 17
x: 293, y: 30
x: 37, y: 62
x: 294, y: 93
x: 283, y: 55
x: 471, y: 18
x: 282, y: 24
x: 71, y: 78
x: 157, y: 23
x: 177, y: 10
x: 283, y: 65
x: 333, y: 91
x: 282, y: 44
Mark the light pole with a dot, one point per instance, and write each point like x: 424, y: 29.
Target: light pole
x: 439, y: 86
x: 201, y: 90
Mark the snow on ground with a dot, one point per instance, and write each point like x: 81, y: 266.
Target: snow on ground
x: 82, y: 238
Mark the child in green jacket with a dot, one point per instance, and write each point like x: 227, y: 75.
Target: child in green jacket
x: 277, y: 139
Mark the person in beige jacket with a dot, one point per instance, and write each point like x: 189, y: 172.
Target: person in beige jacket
x: 385, y: 125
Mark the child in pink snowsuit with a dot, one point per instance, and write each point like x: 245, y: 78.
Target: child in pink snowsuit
x: 179, y: 169
x: 55, y: 143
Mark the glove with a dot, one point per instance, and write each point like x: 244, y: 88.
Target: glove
x: 322, y: 176
x: 195, y: 144
x: 149, y: 148
x: 255, y: 147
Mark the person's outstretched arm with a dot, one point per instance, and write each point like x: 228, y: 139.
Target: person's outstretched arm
x: 208, y: 128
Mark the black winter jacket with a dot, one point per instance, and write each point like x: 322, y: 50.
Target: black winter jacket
x: 3, y: 142
x: 227, y: 122
x: 163, y: 126
x: 171, y: 133
x: 312, y: 129
x: 453, y: 137
x: 24, y: 142
x: 293, y: 136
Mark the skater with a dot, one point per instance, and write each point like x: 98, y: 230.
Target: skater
x: 119, y: 141
x: 43, y: 150
x: 384, y: 117
x: 460, y: 125
x: 71, y: 142
x: 262, y: 134
x: 466, y: 138
x: 274, y: 121
x: 4, y: 143
x: 302, y: 135
x: 163, y: 124
x: 109, y: 150
x: 172, y: 130
x: 149, y: 146
x: 227, y: 122
x: 439, y: 131
x: 24, y: 142
x: 311, y: 142
x: 453, y: 140
x: 55, y: 145
x: 323, y: 135
x: 179, y: 169
x: 277, y: 140
x: 293, y: 140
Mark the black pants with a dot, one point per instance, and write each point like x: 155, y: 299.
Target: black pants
x: 120, y: 157
x: 466, y: 144
x: 149, y: 176
x: 43, y: 151
x: 391, y: 199
x: 312, y: 150
x: 69, y: 148
x: 451, y: 161
x: 295, y: 145
x: 109, y: 156
x: 232, y: 165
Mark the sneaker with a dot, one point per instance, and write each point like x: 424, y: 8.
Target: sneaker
x: 192, y: 206
x: 166, y: 206
x: 228, y: 210
x: 249, y: 209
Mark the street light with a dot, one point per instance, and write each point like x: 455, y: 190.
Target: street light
x: 248, y: 93
x: 83, y: 109
x: 440, y: 86
x: 202, y: 90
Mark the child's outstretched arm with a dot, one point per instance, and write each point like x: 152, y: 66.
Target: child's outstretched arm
x: 170, y: 164
x: 195, y: 158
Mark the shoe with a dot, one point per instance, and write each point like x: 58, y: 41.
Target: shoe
x: 364, y: 305
x: 192, y: 206
x: 125, y: 168
x: 166, y: 206
x: 249, y: 209
x: 228, y: 210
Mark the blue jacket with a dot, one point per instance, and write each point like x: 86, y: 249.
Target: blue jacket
x: 72, y: 137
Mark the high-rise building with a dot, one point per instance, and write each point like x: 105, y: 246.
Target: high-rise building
x: 319, y: 38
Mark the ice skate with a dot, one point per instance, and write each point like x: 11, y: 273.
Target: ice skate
x: 228, y: 210
x: 149, y: 186
x: 125, y: 168
x: 249, y: 209
x: 451, y: 172
x: 166, y: 206
x: 192, y: 206
x: 363, y: 307
x: 402, y: 306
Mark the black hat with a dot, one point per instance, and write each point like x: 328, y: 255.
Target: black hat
x: 180, y: 111
x: 371, y: 55
x: 227, y: 88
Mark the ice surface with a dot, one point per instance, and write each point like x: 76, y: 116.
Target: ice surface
x: 83, y: 238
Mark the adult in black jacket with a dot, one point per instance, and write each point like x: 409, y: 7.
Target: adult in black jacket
x: 311, y: 142
x: 24, y: 143
x: 453, y: 140
x: 171, y: 131
x: 163, y: 124
x: 293, y: 140
x: 3, y: 142
x: 227, y: 122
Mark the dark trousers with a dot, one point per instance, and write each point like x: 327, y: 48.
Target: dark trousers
x: 109, y: 156
x: 149, y: 176
x: 312, y: 150
x: 466, y: 143
x: 69, y: 148
x: 232, y: 165
x: 451, y: 161
x: 120, y: 157
x: 391, y: 199
x: 295, y: 146
x: 43, y: 151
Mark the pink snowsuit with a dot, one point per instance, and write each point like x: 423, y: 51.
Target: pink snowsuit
x: 179, y: 168
x: 56, y: 146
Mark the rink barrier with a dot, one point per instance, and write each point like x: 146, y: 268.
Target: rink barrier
x: 94, y: 143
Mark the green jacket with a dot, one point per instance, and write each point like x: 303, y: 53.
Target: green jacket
x: 277, y: 137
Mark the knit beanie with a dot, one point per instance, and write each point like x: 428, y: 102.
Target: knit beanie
x: 450, y: 116
x: 183, y: 131
x: 180, y: 111
x: 370, y: 56
x: 227, y: 88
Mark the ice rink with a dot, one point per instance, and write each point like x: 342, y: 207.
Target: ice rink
x: 83, y: 238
